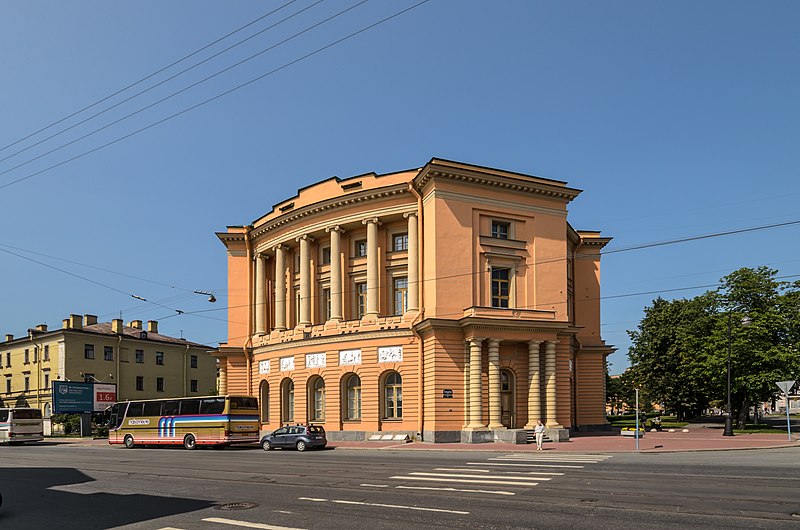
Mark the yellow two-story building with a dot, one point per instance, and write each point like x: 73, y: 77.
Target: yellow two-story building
x: 143, y: 363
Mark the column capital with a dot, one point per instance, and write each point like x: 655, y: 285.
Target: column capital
x: 495, y: 341
x: 334, y: 228
x: 279, y: 246
x: 261, y: 254
x: 371, y: 220
x: 476, y: 339
x: 304, y: 237
x: 410, y: 214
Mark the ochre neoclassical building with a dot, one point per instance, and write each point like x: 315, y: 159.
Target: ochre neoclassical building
x: 449, y: 303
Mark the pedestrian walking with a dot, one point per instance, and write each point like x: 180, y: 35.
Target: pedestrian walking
x: 539, y: 432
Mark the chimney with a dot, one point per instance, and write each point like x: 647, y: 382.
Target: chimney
x: 75, y: 322
x: 136, y: 324
x: 152, y: 326
x: 41, y: 327
x: 65, y: 324
x: 116, y: 326
x: 88, y: 320
x: 9, y: 337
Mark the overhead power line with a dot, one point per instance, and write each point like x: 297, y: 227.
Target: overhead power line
x: 209, y: 100
x: 147, y: 76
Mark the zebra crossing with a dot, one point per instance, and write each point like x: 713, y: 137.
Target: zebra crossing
x: 499, y: 475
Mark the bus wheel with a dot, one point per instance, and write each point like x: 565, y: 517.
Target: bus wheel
x: 189, y: 442
x: 128, y: 441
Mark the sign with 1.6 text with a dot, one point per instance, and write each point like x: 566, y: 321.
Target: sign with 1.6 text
x: 72, y: 397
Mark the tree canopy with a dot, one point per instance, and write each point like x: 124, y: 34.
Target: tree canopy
x: 679, y: 350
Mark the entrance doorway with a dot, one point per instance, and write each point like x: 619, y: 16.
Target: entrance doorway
x: 507, y: 414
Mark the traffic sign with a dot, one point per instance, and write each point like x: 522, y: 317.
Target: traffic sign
x: 785, y: 386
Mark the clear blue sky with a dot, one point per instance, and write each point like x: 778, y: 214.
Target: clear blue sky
x: 676, y: 118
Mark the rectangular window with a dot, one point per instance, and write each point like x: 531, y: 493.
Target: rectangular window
x: 190, y: 406
x: 326, y: 256
x: 159, y: 384
x: 108, y: 353
x: 501, y: 280
x: 8, y: 359
x: 159, y: 357
x: 139, y: 382
x: 193, y: 361
x: 36, y: 354
x: 46, y: 352
x: 27, y: 357
x: 8, y: 385
x: 361, y: 299
x: 400, y: 295
x: 88, y: 378
x: 27, y: 383
x: 46, y: 380
x: 140, y: 356
x: 88, y: 351
x: 400, y: 242
x: 152, y: 408
x: 326, y: 304
x: 193, y: 387
x: 500, y: 229
x: 297, y: 306
x: 361, y: 248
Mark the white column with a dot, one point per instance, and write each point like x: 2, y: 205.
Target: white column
x: 475, y: 405
x: 372, y: 265
x: 494, y: 385
x: 534, y: 385
x: 305, y: 280
x: 223, y: 376
x: 550, y: 374
x: 260, y: 298
x: 280, y: 287
x: 336, y: 272
x: 413, y: 262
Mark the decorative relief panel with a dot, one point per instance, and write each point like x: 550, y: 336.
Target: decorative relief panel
x: 349, y: 357
x: 392, y: 354
x: 315, y: 360
x: 263, y: 367
x: 287, y: 363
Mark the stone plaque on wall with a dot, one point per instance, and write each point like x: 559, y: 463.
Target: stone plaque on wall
x: 391, y: 354
x: 349, y: 357
x: 315, y: 360
x: 263, y: 367
x: 287, y: 363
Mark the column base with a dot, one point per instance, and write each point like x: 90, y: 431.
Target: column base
x: 553, y: 425
x: 476, y: 427
x: 497, y: 427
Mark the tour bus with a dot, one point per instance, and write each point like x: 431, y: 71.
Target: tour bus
x: 210, y: 420
x: 20, y: 424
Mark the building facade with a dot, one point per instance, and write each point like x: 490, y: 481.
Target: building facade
x: 449, y: 303
x: 141, y: 362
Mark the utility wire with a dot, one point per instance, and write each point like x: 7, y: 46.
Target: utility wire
x: 148, y: 76
x: 209, y: 100
x: 149, y: 89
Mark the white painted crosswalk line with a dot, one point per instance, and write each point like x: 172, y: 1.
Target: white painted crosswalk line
x: 467, y: 481
x: 382, y: 505
x: 474, y: 470
x: 247, y: 524
x: 457, y: 490
x: 504, y: 477
x: 522, y: 465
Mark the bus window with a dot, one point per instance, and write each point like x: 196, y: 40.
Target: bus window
x: 27, y: 414
x: 152, y: 408
x: 4, y: 415
x: 246, y: 403
x: 190, y: 406
x: 135, y: 409
x: 170, y: 408
x: 114, y: 417
x: 212, y: 406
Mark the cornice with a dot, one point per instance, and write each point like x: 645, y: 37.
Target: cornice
x: 492, y: 203
x: 328, y: 205
x: 334, y: 339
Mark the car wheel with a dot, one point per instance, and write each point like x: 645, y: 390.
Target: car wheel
x: 128, y: 442
x: 189, y: 442
x: 301, y: 445
x: 266, y: 446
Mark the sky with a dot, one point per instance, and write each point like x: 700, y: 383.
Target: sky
x: 677, y: 119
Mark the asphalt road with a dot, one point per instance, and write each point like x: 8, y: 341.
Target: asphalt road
x: 90, y: 487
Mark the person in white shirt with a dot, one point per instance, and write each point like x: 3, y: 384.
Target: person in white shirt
x: 539, y: 432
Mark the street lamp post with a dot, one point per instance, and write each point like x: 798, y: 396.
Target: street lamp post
x: 729, y: 412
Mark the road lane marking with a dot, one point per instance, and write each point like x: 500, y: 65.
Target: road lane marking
x: 471, y: 481
x: 381, y: 505
x: 454, y: 489
x: 462, y: 469
x: 246, y: 524
x: 473, y: 470
x: 375, y: 485
x: 504, y: 477
x: 521, y: 465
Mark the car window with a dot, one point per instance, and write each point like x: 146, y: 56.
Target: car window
x: 280, y: 431
x: 316, y: 430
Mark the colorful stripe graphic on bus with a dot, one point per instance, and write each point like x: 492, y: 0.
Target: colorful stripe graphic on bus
x: 166, y: 425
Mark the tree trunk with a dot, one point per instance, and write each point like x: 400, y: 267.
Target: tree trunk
x: 744, y: 412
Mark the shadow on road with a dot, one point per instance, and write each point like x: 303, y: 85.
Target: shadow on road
x: 32, y: 495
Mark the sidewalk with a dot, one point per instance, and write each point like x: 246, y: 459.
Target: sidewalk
x: 699, y: 438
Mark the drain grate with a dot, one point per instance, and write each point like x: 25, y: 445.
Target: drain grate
x: 236, y: 506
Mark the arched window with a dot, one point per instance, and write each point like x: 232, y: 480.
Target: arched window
x: 316, y: 399
x: 353, y: 398
x: 393, y: 396
x: 263, y: 397
x: 47, y: 410
x: 287, y: 401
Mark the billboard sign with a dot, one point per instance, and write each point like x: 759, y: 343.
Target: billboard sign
x: 75, y: 397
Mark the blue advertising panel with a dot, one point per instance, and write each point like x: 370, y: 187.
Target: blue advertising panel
x: 70, y: 397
